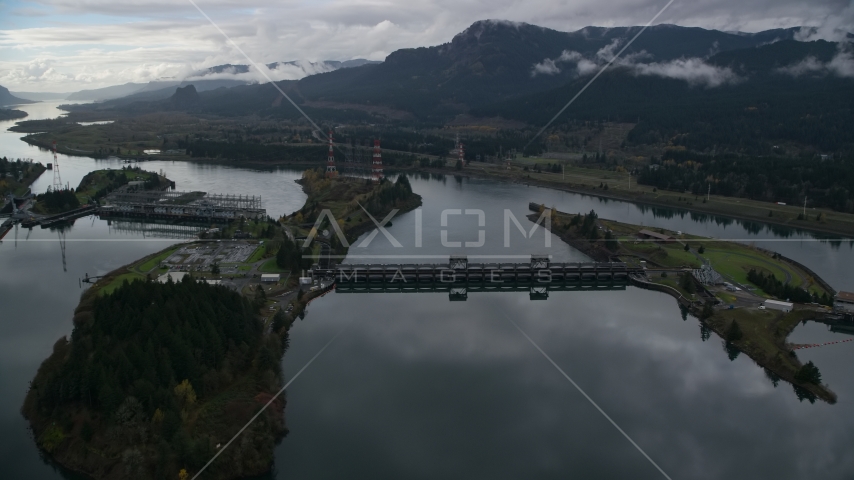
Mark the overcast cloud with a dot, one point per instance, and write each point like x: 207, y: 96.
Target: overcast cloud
x: 67, y: 45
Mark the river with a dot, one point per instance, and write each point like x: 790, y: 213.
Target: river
x: 416, y: 386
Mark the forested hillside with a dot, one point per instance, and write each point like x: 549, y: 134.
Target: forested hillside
x: 761, y: 107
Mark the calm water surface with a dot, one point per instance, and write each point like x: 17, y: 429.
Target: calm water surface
x: 416, y: 386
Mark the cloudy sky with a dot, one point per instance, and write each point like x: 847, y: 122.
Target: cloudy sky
x: 69, y: 45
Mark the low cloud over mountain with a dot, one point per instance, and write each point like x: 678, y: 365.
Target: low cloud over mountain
x: 694, y: 71
x: 841, y: 65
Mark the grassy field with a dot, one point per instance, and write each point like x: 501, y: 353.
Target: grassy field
x: 733, y: 260
x: 154, y: 261
x: 258, y: 254
x: 116, y: 282
x: 670, y: 255
x: 736, y: 260
x: 270, y: 267
x: 727, y: 298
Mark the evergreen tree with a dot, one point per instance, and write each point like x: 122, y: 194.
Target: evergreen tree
x: 734, y: 333
x: 808, y: 374
x: 686, y: 282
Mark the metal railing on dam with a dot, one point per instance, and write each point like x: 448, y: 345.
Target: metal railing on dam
x: 459, y: 277
x: 459, y: 292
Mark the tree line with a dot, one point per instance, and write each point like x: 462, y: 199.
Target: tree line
x: 773, y: 286
x: 827, y: 183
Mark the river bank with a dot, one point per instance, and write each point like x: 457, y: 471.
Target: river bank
x: 787, y: 216
x: 732, y: 207
x: 755, y: 331
x: 600, y: 183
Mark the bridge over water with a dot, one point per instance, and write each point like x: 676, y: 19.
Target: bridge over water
x: 459, y: 277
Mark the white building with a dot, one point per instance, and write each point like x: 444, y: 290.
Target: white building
x: 778, y: 305
x: 175, y: 276
x: 269, y: 277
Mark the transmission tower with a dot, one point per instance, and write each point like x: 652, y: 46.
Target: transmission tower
x: 57, y: 180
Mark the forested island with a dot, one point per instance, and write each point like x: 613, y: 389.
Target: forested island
x: 155, y: 378
x: 345, y: 198
x: 11, y: 114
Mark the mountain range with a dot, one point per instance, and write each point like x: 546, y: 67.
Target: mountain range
x: 492, y: 62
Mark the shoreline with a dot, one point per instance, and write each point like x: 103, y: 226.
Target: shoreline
x: 517, y: 177
x: 781, y: 360
x: 595, y: 192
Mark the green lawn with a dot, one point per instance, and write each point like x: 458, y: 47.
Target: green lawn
x: 155, y: 260
x: 726, y: 297
x: 270, y: 267
x: 664, y: 254
x: 735, y: 261
x: 117, y: 282
x: 258, y: 254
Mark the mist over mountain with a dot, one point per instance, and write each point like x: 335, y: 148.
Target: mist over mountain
x: 40, y: 96
x: 211, y: 78
x: 297, y: 69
